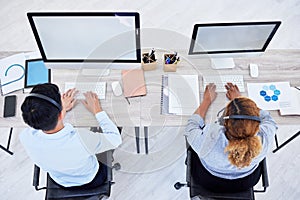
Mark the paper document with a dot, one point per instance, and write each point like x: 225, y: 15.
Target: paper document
x: 12, y: 70
x: 293, y: 108
x: 269, y: 96
x: 183, y: 94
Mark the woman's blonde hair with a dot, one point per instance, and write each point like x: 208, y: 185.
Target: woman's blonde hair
x: 243, y: 144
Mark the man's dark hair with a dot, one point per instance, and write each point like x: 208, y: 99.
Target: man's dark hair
x: 39, y: 113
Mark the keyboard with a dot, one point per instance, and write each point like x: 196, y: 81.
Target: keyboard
x: 221, y: 80
x: 98, y: 87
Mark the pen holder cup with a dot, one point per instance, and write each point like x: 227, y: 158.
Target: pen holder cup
x: 168, y: 66
x: 150, y: 65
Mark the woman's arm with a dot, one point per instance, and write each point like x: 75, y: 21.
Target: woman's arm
x: 208, y: 97
x: 195, y: 125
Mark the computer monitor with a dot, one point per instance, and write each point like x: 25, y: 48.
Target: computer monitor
x: 88, y: 39
x: 222, y: 41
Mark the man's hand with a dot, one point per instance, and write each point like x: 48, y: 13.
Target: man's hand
x: 232, y: 91
x: 68, y: 100
x: 92, y: 102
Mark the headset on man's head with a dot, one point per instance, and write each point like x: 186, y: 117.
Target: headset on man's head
x: 44, y: 97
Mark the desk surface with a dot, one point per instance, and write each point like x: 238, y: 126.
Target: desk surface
x: 274, y: 65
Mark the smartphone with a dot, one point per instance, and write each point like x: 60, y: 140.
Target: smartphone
x: 10, y: 106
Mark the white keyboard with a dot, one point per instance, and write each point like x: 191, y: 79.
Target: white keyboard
x: 98, y: 87
x: 221, y: 80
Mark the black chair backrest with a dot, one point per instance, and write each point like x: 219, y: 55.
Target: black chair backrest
x: 198, y: 190
x: 56, y: 191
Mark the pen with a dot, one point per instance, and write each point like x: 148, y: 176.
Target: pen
x: 174, y: 57
x: 297, y: 88
x: 127, y: 100
x: 145, y: 59
x: 177, y: 60
x: 168, y: 60
x: 151, y: 53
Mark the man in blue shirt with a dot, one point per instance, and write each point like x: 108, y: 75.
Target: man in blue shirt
x: 66, y: 153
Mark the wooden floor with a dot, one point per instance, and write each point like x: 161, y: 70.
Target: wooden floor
x: 152, y: 176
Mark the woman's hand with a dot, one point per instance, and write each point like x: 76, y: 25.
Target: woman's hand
x: 232, y: 91
x: 210, y: 93
x: 68, y: 100
x: 209, y: 96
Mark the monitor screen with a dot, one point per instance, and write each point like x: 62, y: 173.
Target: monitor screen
x: 219, y: 38
x: 87, y: 37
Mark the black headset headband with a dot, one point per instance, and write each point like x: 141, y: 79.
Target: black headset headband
x: 41, y: 96
x: 254, y: 118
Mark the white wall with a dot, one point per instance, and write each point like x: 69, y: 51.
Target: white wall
x: 179, y: 16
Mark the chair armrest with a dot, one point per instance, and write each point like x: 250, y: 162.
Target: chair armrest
x: 36, y: 178
x: 188, y: 166
x: 264, y: 174
x: 109, y: 165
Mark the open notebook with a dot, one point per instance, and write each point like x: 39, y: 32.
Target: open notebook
x: 180, y: 94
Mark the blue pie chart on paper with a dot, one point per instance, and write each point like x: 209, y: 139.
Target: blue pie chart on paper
x: 266, y: 93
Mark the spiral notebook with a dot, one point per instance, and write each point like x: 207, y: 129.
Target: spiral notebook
x: 164, y: 99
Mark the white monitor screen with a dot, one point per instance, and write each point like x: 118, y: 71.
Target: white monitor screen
x: 100, y: 37
x: 232, y: 37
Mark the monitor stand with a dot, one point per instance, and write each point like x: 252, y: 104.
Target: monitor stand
x: 95, y: 72
x: 222, y: 63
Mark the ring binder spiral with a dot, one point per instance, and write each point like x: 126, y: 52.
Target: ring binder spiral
x: 164, y: 99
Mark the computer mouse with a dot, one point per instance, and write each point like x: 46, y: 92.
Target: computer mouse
x: 253, y: 70
x: 116, y: 88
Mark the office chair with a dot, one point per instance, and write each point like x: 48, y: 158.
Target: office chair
x: 55, y: 191
x: 196, y: 190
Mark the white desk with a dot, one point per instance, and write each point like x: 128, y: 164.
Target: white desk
x: 274, y: 65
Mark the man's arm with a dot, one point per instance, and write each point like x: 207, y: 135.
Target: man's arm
x: 110, y: 138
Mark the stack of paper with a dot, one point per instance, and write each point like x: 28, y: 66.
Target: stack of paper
x: 12, y: 71
x: 180, y: 94
x: 273, y: 96
x: 293, y: 108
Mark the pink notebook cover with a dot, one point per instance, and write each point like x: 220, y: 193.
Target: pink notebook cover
x: 133, y: 83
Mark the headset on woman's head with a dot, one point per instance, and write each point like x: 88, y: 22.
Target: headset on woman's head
x: 223, y: 118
